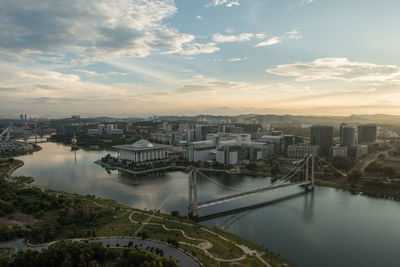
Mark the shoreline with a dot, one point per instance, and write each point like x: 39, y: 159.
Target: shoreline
x: 20, y: 164
x: 357, y: 190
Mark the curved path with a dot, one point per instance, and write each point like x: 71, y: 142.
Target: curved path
x: 182, y: 258
x: 204, y: 245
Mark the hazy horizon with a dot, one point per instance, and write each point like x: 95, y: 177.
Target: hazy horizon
x: 134, y: 58
x: 85, y: 116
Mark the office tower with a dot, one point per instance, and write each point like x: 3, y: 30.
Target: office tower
x: 347, y: 135
x: 201, y: 131
x: 323, y: 137
x: 366, y: 133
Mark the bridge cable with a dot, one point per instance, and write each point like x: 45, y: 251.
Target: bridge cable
x: 217, y: 183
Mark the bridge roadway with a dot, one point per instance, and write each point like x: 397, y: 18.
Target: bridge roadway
x: 251, y: 207
x: 243, y: 194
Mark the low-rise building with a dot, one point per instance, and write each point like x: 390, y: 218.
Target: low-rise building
x: 230, y: 155
x: 338, y: 151
x: 239, y: 138
x: 105, y: 129
x: 202, y: 151
x: 276, y: 143
x: 300, y: 150
x: 361, y: 150
x: 255, y: 150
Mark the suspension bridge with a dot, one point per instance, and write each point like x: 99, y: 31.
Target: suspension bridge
x: 301, y: 174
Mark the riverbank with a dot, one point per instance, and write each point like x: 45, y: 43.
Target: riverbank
x: 8, y: 166
x: 368, y: 187
x: 90, y: 217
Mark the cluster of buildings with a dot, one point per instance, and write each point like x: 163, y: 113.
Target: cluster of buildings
x: 93, y: 128
x: 353, y: 141
x: 105, y: 129
x: 10, y: 146
x: 229, y: 144
x: 238, y: 148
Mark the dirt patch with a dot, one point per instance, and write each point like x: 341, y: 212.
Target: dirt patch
x: 19, y: 219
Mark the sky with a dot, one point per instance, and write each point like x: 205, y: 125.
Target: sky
x: 129, y: 58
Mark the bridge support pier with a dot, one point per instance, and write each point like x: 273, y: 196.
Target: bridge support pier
x: 193, y: 209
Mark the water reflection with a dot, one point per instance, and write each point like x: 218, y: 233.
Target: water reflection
x: 328, y: 227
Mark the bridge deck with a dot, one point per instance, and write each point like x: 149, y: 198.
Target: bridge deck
x: 246, y: 208
x: 243, y: 194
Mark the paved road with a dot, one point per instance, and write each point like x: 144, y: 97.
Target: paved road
x: 18, y: 244
x: 182, y: 258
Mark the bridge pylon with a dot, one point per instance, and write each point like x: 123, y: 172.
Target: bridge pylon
x: 309, y: 157
x: 193, y: 209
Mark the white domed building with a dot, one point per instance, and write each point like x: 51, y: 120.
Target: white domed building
x: 143, y: 151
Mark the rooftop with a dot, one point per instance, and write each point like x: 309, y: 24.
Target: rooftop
x: 141, y: 145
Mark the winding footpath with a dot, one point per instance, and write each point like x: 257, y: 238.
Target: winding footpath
x: 204, y: 245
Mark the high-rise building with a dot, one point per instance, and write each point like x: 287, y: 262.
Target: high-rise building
x: 323, y: 137
x: 340, y: 131
x: 21, y: 117
x: 366, y: 133
x: 201, y: 131
x: 347, y: 135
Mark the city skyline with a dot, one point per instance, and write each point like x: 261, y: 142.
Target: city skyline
x: 218, y: 57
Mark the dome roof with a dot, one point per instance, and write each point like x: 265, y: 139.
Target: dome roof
x: 142, y: 144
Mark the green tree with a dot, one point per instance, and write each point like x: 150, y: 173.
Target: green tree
x: 355, y: 176
x: 175, y: 213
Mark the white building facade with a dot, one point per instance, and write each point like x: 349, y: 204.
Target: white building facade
x: 338, y: 151
x: 202, y: 151
x: 143, y: 151
x: 300, y: 150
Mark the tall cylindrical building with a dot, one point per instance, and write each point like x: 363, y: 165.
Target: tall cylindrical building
x: 347, y: 136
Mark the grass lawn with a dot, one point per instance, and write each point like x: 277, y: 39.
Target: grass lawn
x: 6, y: 252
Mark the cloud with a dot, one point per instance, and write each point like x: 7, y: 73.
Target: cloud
x: 192, y: 48
x: 233, y: 3
x: 227, y: 3
x: 88, y: 30
x: 198, y: 17
x: 234, y: 59
x: 271, y: 41
x: 304, y: 2
x: 220, y: 38
x: 339, y: 69
x: 260, y: 35
x: 199, y: 84
x: 293, y: 34
x: 89, y: 73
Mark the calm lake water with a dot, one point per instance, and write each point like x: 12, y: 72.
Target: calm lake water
x: 328, y: 227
